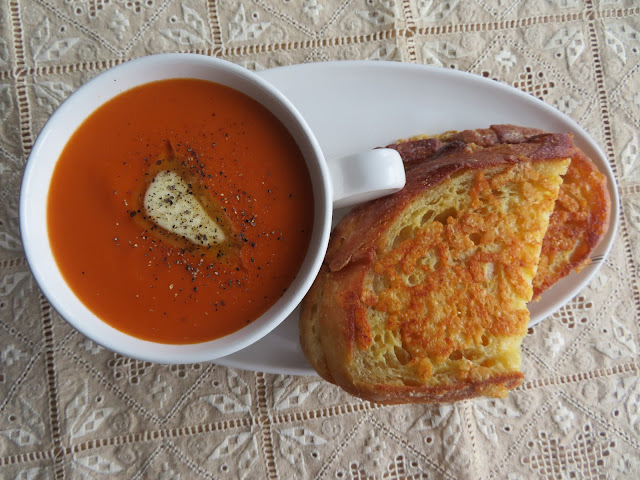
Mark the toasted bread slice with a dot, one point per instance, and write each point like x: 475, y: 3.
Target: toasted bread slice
x: 581, y: 213
x: 422, y: 296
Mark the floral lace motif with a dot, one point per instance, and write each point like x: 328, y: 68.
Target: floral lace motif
x: 70, y: 408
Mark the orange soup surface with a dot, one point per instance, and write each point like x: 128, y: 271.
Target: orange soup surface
x: 235, y: 159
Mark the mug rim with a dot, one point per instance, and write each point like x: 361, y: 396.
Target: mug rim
x: 57, y: 131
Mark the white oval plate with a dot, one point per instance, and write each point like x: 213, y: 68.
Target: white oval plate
x: 356, y: 106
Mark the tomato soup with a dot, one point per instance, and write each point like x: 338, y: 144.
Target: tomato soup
x: 248, y: 178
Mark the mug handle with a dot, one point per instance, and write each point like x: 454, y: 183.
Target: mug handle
x: 364, y: 176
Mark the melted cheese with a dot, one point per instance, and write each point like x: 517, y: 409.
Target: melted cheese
x: 171, y: 205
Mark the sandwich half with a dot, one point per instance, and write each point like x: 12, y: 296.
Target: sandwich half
x: 580, y: 216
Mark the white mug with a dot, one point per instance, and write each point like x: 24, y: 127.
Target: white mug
x: 336, y: 183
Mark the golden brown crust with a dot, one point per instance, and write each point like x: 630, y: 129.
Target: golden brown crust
x: 309, y: 325
x: 337, y: 325
x: 497, y: 387
x: 580, y: 219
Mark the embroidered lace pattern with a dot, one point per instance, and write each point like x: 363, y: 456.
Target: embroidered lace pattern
x: 69, y: 409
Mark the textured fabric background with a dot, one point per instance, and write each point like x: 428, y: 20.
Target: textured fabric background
x: 70, y: 409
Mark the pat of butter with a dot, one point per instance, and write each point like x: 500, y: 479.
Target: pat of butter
x: 171, y: 205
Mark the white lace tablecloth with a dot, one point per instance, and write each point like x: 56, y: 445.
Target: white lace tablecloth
x: 71, y: 409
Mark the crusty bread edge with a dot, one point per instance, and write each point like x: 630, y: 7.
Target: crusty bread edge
x: 497, y: 386
x: 308, y: 328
